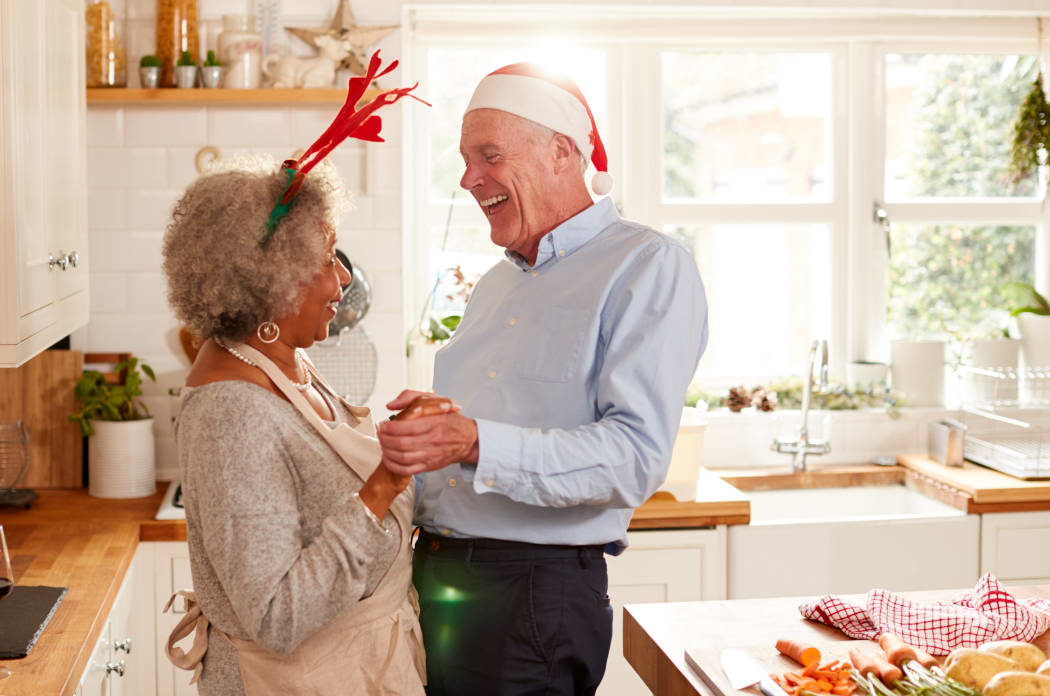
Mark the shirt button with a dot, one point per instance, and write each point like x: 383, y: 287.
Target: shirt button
x: 452, y: 483
x: 512, y: 322
x: 561, y: 253
x: 490, y: 483
x: 492, y: 375
x: 445, y: 532
x: 534, y: 274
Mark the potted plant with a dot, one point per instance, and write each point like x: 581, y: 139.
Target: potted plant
x: 120, y: 430
x: 1032, y: 314
x: 211, y: 71
x: 186, y: 71
x: 149, y: 71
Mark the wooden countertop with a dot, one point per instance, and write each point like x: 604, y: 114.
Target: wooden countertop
x: 985, y: 490
x: 68, y: 539
x: 717, y: 502
x: 656, y: 636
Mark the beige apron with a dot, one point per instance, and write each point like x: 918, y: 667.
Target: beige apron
x: 376, y: 647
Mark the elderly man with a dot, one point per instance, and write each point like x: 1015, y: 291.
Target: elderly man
x: 570, y: 364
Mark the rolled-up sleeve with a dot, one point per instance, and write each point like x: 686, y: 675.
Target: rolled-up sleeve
x: 653, y: 332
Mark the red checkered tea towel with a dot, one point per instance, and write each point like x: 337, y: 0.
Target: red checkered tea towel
x: 987, y: 613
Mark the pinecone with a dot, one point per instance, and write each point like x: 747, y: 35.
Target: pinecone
x: 763, y: 400
x: 739, y: 397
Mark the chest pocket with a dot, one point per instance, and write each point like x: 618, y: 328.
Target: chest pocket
x: 556, y: 350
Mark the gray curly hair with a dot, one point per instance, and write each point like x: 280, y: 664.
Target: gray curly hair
x: 221, y: 283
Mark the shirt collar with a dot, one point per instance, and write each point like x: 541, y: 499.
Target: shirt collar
x: 570, y: 235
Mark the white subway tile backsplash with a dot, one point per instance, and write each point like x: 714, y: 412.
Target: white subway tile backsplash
x: 181, y: 166
x: 147, y: 292
x: 150, y: 209
x: 349, y: 159
x: 386, y: 211
x: 374, y: 251
x: 386, y: 291
x: 168, y: 125
x: 359, y: 217
x: 106, y: 209
x: 141, y: 334
x: 250, y: 126
x: 109, y: 293
x: 118, y: 250
x: 147, y: 167
x: 105, y: 126
x: 107, y: 167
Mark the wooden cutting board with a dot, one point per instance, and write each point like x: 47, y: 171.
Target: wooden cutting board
x: 707, y: 662
x: 982, y: 484
x: 40, y: 393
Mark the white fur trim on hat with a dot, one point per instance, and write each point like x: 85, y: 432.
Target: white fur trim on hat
x: 538, y: 101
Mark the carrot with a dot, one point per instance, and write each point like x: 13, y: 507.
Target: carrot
x: 805, y: 655
x: 897, y: 651
x: 843, y: 689
x: 888, y: 673
x: 925, y: 659
x: 864, y: 665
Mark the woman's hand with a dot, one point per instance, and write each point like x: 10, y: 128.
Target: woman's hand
x: 381, y: 488
x: 428, y: 435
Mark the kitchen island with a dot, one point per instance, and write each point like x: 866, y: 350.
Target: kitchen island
x: 656, y: 636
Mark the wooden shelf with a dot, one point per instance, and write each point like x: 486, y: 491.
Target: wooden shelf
x: 199, y: 96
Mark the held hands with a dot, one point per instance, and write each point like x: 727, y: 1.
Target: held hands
x: 427, y: 434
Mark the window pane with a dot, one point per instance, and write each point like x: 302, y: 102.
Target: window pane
x: 768, y: 294
x: 452, y: 75
x: 949, y: 124
x: 748, y: 127
x: 945, y: 279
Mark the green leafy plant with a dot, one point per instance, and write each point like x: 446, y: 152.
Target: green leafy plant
x: 1025, y: 299
x: 211, y: 60
x: 1031, y: 134
x: 102, y: 401
x: 149, y: 61
x: 186, y: 59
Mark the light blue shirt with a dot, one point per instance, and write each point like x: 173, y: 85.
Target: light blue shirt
x: 575, y: 369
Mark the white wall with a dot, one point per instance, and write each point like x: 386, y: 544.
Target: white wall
x: 140, y: 158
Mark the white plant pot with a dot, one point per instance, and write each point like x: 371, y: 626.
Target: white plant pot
x: 1035, y: 339
x: 917, y: 371
x: 121, y: 460
x: 684, y: 469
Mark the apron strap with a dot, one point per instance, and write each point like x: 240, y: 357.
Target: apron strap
x: 193, y: 622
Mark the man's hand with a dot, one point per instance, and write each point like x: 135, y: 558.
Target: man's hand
x: 427, y: 443
x: 405, y: 398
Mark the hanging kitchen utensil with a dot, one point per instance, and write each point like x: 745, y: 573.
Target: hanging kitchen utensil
x: 348, y: 360
x: 14, y: 463
x: 357, y: 298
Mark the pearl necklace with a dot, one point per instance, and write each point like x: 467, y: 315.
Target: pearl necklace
x: 301, y: 386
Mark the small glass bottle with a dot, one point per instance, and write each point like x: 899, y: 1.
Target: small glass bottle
x: 104, y: 44
x: 177, y: 32
x: 240, y: 51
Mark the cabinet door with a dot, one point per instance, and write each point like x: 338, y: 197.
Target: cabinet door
x: 172, y: 563
x: 125, y: 645
x: 1013, y: 546
x: 95, y: 681
x: 671, y: 566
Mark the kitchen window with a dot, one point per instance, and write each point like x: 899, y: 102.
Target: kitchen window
x: 842, y: 178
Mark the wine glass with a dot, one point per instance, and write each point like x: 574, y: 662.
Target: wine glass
x: 7, y: 583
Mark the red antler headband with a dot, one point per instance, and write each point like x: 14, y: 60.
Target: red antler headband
x: 350, y: 122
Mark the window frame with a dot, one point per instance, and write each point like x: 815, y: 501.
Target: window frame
x: 632, y: 135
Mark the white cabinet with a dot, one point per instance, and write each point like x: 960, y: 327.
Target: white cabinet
x: 1013, y: 547
x: 114, y: 668
x: 172, y: 572
x: 660, y: 566
x: 43, y: 180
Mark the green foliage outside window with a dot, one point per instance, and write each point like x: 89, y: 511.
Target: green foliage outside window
x: 945, y: 279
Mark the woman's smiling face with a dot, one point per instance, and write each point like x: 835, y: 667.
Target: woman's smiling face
x: 320, y: 300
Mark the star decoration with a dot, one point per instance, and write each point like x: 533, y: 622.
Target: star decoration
x: 345, y: 28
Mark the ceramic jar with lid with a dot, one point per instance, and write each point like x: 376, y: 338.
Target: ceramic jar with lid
x: 241, y: 52
x: 177, y: 31
x: 104, y: 44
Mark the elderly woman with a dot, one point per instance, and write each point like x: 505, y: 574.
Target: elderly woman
x: 298, y: 539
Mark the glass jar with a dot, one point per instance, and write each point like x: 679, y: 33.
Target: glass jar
x: 104, y: 44
x: 176, y: 33
x: 241, y: 52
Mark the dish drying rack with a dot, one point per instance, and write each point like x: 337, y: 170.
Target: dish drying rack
x: 1007, y: 415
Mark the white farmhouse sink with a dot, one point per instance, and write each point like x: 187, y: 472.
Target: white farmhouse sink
x: 815, y: 541
x: 840, y: 504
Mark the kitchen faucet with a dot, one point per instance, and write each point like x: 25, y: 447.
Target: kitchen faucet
x: 802, y: 445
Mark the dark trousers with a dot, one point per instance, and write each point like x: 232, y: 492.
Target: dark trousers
x: 509, y: 619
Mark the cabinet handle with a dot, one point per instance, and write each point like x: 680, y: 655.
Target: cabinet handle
x: 74, y: 258
x: 124, y: 645
x: 52, y: 262
x: 118, y: 668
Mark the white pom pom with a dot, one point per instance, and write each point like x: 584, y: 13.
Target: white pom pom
x: 601, y: 183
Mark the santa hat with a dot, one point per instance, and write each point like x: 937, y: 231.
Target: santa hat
x: 551, y: 100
